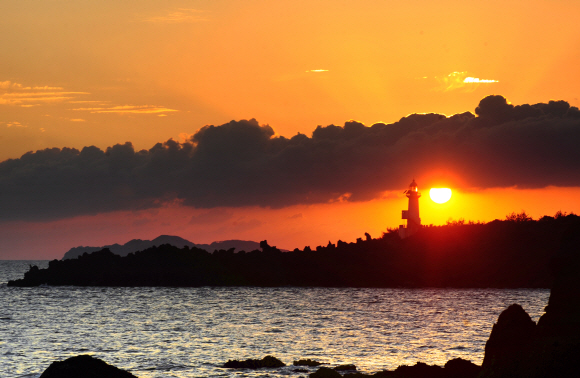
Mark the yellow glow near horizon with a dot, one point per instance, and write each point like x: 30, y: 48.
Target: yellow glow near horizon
x: 440, y: 195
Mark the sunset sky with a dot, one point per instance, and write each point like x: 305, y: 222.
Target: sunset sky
x: 126, y: 76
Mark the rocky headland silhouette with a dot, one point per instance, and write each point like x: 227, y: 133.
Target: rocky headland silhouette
x: 136, y: 245
x: 513, y: 253
x: 517, y: 346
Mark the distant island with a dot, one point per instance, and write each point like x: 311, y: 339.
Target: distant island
x: 136, y: 245
x: 513, y: 253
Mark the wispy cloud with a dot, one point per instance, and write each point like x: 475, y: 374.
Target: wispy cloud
x: 130, y: 109
x: 47, y: 88
x: 178, y: 16
x: 459, y: 80
x: 10, y: 85
x: 87, y: 102
x: 13, y: 124
x: 316, y: 71
x: 16, y: 94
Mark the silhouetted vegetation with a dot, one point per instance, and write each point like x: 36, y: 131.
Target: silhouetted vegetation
x: 504, y: 254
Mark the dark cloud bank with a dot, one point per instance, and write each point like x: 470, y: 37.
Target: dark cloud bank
x: 242, y: 163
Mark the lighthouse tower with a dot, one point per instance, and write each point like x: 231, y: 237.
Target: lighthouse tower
x: 412, y: 214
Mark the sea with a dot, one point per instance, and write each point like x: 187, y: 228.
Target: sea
x: 156, y: 332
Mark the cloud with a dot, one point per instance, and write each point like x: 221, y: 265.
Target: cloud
x: 470, y: 79
x: 13, y: 124
x: 184, y: 137
x: 243, y: 163
x: 46, y: 87
x: 129, y: 109
x: 459, y: 80
x: 178, y: 16
x: 16, y: 94
x: 87, y: 102
x: 10, y: 85
x: 316, y: 71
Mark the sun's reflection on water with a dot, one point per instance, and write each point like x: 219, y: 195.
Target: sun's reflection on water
x: 190, y: 332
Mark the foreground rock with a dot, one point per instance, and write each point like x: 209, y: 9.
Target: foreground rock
x: 509, y: 344
x: 84, y: 366
x: 460, y: 368
x: 306, y: 362
x: 347, y: 367
x: 325, y: 372
x: 456, y: 368
x: 517, y: 347
x: 266, y: 362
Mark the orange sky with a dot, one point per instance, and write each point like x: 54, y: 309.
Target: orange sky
x: 81, y: 73
x: 287, y: 228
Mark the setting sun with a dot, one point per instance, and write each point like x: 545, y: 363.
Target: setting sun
x: 440, y: 195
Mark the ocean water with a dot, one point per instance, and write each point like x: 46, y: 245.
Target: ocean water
x: 191, y: 332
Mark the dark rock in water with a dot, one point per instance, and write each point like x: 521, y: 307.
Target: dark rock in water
x: 419, y: 370
x: 361, y: 375
x: 562, y: 316
x: 266, y: 362
x: 510, y: 341
x: 557, y: 348
x: 345, y: 367
x: 551, y: 349
x: 460, y: 368
x: 306, y: 362
x: 325, y: 372
x: 84, y: 366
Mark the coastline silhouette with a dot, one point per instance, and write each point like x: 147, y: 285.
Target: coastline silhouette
x: 513, y: 253
x: 517, y: 347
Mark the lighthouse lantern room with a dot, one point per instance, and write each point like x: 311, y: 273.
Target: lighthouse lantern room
x: 412, y: 214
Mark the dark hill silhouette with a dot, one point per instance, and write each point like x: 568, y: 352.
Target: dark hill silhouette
x: 139, y: 245
x: 514, y: 253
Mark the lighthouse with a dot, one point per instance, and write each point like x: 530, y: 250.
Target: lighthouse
x: 412, y: 214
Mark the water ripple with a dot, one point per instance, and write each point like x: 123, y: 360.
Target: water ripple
x: 191, y: 332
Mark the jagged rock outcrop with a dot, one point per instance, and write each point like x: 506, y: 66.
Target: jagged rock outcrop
x: 325, y: 372
x: 518, y: 348
x: 84, y: 366
x: 266, y: 362
x: 508, y: 348
x: 347, y: 367
x: 306, y: 362
x: 460, y: 368
x: 420, y: 370
x: 557, y: 347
